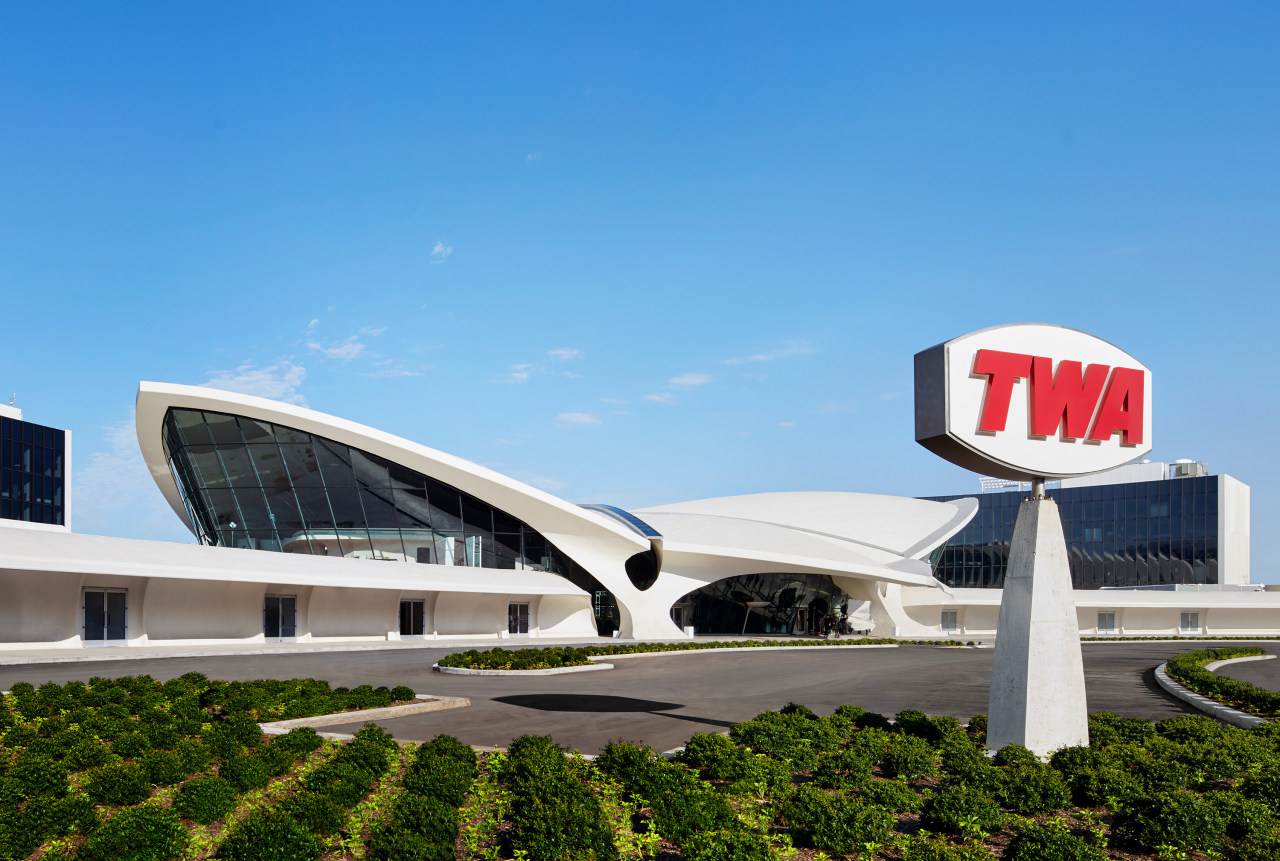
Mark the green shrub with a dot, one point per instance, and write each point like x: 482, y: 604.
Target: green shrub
x: 804, y: 807
x: 961, y: 809
x: 130, y: 744
x: 1262, y: 848
x: 400, y: 693
x: 1191, y: 728
x: 143, y: 833
x: 892, y: 795
x: 269, y: 836
x: 925, y: 849
x: 847, y: 824
x: 316, y: 813
x: 34, y: 774
x: 344, y: 783
x: 298, y: 741
x: 118, y: 785
x: 1108, y: 784
x: 1263, y: 785
x: 846, y: 770
x: 1180, y: 819
x: 964, y: 763
x: 554, y: 815
x: 1050, y: 842
x: 18, y: 736
x: 440, y: 777
x: 88, y: 753
x: 205, y: 799
x: 872, y: 720
x: 1034, y: 789
x: 194, y: 755
x: 726, y: 846
x: 908, y: 756
x: 690, y: 809
x: 245, y: 771
x: 1015, y: 754
x: 1246, y: 818
x: 163, y: 767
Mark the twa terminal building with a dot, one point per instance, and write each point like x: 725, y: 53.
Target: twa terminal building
x: 297, y: 515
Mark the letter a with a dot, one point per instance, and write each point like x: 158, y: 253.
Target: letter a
x: 1122, y: 408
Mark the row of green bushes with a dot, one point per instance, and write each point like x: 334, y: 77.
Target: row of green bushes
x: 423, y: 821
x: 553, y: 657
x: 1188, y: 670
x: 194, y: 697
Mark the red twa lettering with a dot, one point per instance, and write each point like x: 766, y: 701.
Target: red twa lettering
x: 1065, y: 400
x: 1001, y: 370
x: 1122, y: 407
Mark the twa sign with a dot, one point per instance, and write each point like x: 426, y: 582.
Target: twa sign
x: 1031, y: 400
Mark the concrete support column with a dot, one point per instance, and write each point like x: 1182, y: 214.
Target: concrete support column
x: 1037, y: 677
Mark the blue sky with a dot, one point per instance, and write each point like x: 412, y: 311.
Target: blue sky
x: 633, y: 253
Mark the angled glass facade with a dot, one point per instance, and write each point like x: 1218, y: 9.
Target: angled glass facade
x: 763, y: 604
x: 248, y: 483
x: 1146, y: 533
x: 32, y: 460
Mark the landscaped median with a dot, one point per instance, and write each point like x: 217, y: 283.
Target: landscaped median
x: 1191, y: 671
x: 565, y: 658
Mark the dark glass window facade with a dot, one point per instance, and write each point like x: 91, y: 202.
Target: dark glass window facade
x: 1148, y: 533
x: 247, y: 483
x: 32, y: 484
x: 783, y: 604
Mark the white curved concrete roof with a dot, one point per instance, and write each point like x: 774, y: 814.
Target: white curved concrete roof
x: 881, y: 528
x: 549, y: 515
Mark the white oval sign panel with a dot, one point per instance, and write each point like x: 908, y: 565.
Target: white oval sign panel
x: 1032, y: 400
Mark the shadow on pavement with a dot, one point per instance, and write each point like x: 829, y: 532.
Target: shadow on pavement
x: 599, y: 704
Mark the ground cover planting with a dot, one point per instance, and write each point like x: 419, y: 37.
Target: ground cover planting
x: 132, y: 770
x: 1188, y: 670
x: 554, y: 657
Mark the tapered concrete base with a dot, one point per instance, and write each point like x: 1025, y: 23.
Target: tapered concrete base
x: 1037, y: 678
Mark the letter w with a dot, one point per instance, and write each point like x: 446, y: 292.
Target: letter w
x: 1065, y: 400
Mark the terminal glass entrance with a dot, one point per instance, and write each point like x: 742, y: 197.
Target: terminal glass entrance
x: 763, y: 604
x: 280, y: 617
x: 104, y: 614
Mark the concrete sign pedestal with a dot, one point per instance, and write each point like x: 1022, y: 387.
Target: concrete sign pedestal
x: 1037, y: 677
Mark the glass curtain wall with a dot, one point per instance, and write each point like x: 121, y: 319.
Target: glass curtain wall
x: 31, y: 472
x: 248, y: 483
x: 765, y: 604
x: 1147, y: 533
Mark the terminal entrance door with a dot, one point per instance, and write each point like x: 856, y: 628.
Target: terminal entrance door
x: 802, y: 621
x: 412, y: 618
x: 104, y: 614
x: 518, y: 618
x: 280, y: 617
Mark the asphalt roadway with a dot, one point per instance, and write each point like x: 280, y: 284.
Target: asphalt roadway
x: 662, y: 699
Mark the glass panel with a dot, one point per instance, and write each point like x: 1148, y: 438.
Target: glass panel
x: 379, y: 513
x: 207, y: 465
x: 412, y: 510
x: 403, y: 477
x: 446, y: 510
x: 256, y: 431
x: 192, y: 427
x: 267, y: 462
x: 369, y: 469
x: 271, y: 617
x: 476, y: 515
x: 95, y: 615
x: 253, y: 509
x: 347, y: 511
x: 224, y: 507
x: 240, y: 472
x: 314, y: 505
x: 301, y: 462
x: 116, y: 615
x: 334, y: 464
x: 507, y: 550
x: 288, y: 616
x: 224, y: 429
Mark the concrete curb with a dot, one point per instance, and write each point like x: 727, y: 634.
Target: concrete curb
x: 1213, y: 709
x: 428, y: 704
x: 553, y: 671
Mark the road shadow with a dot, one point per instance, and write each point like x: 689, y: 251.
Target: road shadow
x: 602, y: 704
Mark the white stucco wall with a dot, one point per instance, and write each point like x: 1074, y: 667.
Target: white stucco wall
x: 203, y: 610
x: 1233, y: 531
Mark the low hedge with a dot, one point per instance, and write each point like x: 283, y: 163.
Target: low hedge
x: 554, y: 657
x: 1188, y: 670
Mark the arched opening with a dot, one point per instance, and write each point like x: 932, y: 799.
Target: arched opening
x: 642, y: 569
x: 799, y: 604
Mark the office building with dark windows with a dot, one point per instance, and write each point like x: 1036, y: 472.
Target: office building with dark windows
x: 1149, y: 525
x: 34, y: 462
x: 311, y: 528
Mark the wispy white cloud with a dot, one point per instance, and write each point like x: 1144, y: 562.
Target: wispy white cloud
x: 517, y: 374
x: 575, y: 420
x: 564, y: 353
x: 343, y: 351
x: 661, y: 398
x: 571, y: 375
x: 786, y: 351
x: 391, y: 373
x: 542, y: 482
x: 533, y: 156
x: 890, y: 396
x: 440, y: 253
x: 278, y: 381
x: 315, y: 322
x: 786, y: 424
x: 689, y: 380
x: 372, y: 331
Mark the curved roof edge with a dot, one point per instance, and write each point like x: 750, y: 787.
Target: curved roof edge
x: 541, y: 510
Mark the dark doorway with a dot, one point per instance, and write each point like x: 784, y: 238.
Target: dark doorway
x: 412, y: 617
x: 280, y: 617
x: 105, y: 612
